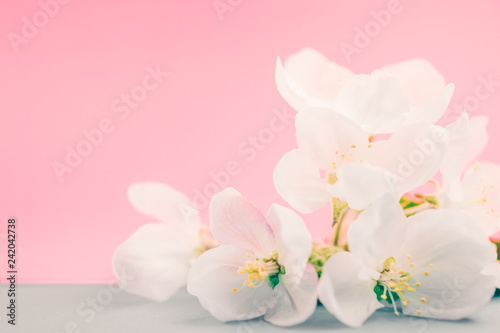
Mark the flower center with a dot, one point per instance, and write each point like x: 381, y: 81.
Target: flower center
x: 349, y: 155
x: 260, y: 270
x: 395, y: 284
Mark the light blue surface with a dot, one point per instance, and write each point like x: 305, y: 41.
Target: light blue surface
x: 53, y: 308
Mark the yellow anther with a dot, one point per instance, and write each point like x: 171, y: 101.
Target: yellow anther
x: 259, y: 270
x: 406, y: 284
x: 412, y: 264
x: 401, y: 272
x: 419, y: 312
x: 423, y: 300
x: 418, y: 284
x: 383, y: 297
x: 426, y: 273
x: 405, y: 303
x: 408, y: 256
x: 430, y: 266
x: 235, y: 290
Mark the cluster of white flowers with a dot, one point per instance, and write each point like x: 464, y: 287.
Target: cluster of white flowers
x: 366, y: 146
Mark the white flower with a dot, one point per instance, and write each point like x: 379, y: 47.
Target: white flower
x: 474, y: 189
x: 432, y: 261
x: 335, y: 159
x: 159, y: 254
x: 261, y: 267
x: 404, y: 93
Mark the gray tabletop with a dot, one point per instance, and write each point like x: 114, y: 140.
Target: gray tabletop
x: 104, y: 308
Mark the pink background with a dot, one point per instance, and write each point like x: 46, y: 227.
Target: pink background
x: 220, y: 91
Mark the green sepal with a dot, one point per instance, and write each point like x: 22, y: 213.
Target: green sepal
x: 379, y: 291
x: 274, y: 280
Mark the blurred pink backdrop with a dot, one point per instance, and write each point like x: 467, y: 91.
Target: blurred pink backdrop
x: 69, y: 72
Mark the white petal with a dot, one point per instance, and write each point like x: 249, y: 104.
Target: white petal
x: 375, y: 102
x: 432, y: 110
x: 482, y: 181
x: 235, y: 220
x: 296, y: 302
x: 346, y: 289
x: 212, y: 279
x: 468, y: 137
x: 494, y: 270
x: 297, y: 180
x: 418, y: 78
x: 361, y: 184
x: 378, y: 232
x: 318, y: 77
x: 293, y: 241
x: 167, y: 205
x: 321, y: 133
x: 289, y: 89
x: 413, y: 154
x: 153, y: 262
x: 455, y: 287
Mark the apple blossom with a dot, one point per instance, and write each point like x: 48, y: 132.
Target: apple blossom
x: 405, y: 93
x: 260, y: 268
x: 335, y: 160
x: 160, y: 253
x: 433, y: 263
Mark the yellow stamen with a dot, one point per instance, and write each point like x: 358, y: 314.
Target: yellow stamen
x: 423, y: 300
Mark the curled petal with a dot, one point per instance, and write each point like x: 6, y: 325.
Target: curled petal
x: 361, y: 184
x: 167, y: 205
x: 414, y: 154
x: 297, y: 180
x: 154, y: 262
x: 296, y: 301
x: 293, y: 241
x: 376, y: 102
x: 468, y: 137
x: 346, y: 289
x: 214, y: 279
x: 419, y: 80
x: 235, y: 220
x: 448, y: 263
x: 321, y: 133
x: 378, y: 232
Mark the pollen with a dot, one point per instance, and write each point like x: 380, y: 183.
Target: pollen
x: 412, y: 264
x: 408, y: 256
x: 419, y: 312
x: 394, y: 284
x: 418, y: 284
x: 260, y: 270
x: 423, y: 299
x: 426, y: 273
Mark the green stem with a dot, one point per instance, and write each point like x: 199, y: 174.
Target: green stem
x: 339, y: 227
